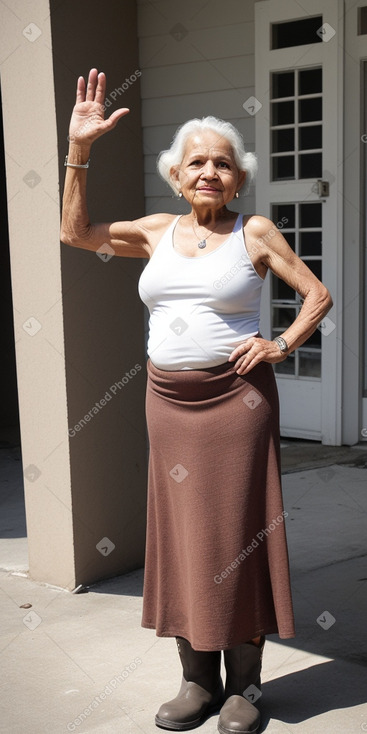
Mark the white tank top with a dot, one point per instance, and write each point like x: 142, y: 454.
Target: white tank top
x: 200, y: 307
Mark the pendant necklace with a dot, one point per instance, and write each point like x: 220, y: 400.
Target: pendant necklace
x: 202, y: 242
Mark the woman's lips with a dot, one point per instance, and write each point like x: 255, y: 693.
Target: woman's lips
x: 207, y: 188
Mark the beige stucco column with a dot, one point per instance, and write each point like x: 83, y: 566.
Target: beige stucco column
x: 78, y: 320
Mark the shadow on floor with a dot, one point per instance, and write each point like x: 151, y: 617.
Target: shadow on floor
x: 299, y: 696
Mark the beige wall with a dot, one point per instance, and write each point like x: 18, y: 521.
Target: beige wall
x: 91, y: 485
x: 197, y: 60
x: 33, y: 209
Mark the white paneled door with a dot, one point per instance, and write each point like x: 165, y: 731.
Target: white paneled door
x: 355, y: 224
x: 298, y: 90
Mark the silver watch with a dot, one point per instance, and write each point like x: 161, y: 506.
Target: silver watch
x: 282, y: 344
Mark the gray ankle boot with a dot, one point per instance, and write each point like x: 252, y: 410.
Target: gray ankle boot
x: 201, y: 691
x: 243, y: 666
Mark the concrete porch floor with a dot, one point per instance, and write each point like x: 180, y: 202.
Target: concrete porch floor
x: 82, y: 662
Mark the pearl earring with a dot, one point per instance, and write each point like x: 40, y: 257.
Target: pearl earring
x: 237, y: 194
x: 180, y: 194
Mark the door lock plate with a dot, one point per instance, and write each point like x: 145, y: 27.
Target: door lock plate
x: 322, y: 188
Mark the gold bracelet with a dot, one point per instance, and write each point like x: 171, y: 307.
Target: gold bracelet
x: 76, y: 165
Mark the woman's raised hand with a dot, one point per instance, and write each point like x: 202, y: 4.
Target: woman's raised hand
x: 87, y: 120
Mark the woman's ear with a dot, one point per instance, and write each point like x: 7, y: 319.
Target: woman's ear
x: 241, y: 179
x: 174, y: 175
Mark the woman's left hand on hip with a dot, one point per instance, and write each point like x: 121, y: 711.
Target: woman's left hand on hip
x: 253, y: 351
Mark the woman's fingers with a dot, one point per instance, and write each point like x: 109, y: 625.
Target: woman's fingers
x: 101, y: 88
x: 91, y: 86
x: 80, y: 90
x: 95, y: 91
x: 244, y: 365
x: 253, y: 351
x: 240, y: 350
x: 239, y: 357
x: 114, y: 118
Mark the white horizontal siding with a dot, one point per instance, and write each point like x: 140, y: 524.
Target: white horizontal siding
x: 199, y: 76
x: 160, y: 16
x: 227, y: 103
x: 198, y: 45
x: 197, y: 59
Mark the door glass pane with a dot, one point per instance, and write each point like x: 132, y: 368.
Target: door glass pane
x: 284, y: 213
x: 291, y: 239
x: 283, y: 84
x: 315, y: 339
x: 310, y: 165
x: 309, y: 363
x: 283, y: 168
x: 310, y: 243
x: 282, y: 140
x: 316, y: 267
x: 310, y: 109
x: 282, y: 113
x: 310, y: 215
x: 283, y: 317
x: 282, y: 291
x: 296, y: 32
x: 287, y: 367
x: 310, y: 137
x: 310, y: 81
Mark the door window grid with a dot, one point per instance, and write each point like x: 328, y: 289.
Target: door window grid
x: 286, y: 303
x: 296, y: 153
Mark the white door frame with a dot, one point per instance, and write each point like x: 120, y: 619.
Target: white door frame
x: 354, y: 409
x: 267, y: 12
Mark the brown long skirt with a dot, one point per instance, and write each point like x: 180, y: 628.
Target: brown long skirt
x: 216, y: 567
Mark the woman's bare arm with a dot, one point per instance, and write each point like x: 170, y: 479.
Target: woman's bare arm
x: 275, y: 253
x: 128, y: 239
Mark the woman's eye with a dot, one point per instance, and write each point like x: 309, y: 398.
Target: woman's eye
x: 220, y: 164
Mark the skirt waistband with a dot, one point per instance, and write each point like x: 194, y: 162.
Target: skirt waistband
x: 204, y: 384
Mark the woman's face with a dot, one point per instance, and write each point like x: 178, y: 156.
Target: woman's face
x: 208, y: 174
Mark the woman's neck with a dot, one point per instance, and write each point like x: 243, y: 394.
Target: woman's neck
x: 209, y: 217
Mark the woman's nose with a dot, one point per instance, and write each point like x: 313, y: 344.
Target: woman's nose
x: 209, y: 170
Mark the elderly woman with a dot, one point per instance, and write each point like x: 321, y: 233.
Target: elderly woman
x: 216, y: 573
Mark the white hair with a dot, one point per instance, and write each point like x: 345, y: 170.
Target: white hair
x: 245, y: 161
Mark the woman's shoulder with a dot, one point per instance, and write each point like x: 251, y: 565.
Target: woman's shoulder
x: 155, y: 226
x: 259, y: 233
x: 257, y: 225
x: 154, y: 222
